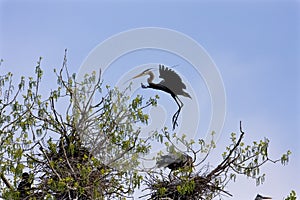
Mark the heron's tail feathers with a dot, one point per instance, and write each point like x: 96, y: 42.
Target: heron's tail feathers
x: 185, y: 94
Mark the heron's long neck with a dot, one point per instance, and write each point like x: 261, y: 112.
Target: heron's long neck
x: 150, y: 79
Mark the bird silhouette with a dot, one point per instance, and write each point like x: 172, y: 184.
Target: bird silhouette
x: 24, y: 186
x: 171, y: 83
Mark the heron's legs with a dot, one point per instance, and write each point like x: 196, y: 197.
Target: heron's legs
x: 170, y: 175
x: 177, y: 100
x: 176, y: 115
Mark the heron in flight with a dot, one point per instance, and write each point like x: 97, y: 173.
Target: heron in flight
x: 171, y: 84
x: 259, y: 197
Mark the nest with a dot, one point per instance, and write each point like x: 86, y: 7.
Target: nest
x: 72, y: 166
x: 183, y: 187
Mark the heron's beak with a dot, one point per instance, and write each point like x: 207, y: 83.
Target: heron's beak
x: 137, y: 76
x: 144, y: 73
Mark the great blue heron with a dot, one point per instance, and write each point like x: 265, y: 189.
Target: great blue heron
x: 259, y: 197
x: 171, y: 84
x: 25, y: 185
x: 175, y: 161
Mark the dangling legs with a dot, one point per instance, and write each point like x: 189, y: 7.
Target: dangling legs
x: 176, y: 115
x: 177, y: 100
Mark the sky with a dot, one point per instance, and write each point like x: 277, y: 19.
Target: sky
x: 254, y: 44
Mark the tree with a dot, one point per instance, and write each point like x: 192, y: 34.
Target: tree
x: 71, y: 152
x: 204, y: 181
x: 292, y: 196
x: 82, y: 141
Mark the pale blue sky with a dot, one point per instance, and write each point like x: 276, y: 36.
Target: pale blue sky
x: 255, y: 44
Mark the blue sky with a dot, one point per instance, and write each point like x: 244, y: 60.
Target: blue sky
x: 255, y: 45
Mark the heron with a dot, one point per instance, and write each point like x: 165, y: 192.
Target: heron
x: 175, y: 161
x: 25, y: 185
x: 259, y: 197
x: 171, y: 84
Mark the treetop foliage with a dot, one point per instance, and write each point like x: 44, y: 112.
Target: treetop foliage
x: 83, y: 141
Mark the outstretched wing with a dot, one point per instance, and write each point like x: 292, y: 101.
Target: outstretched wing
x: 171, y: 79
